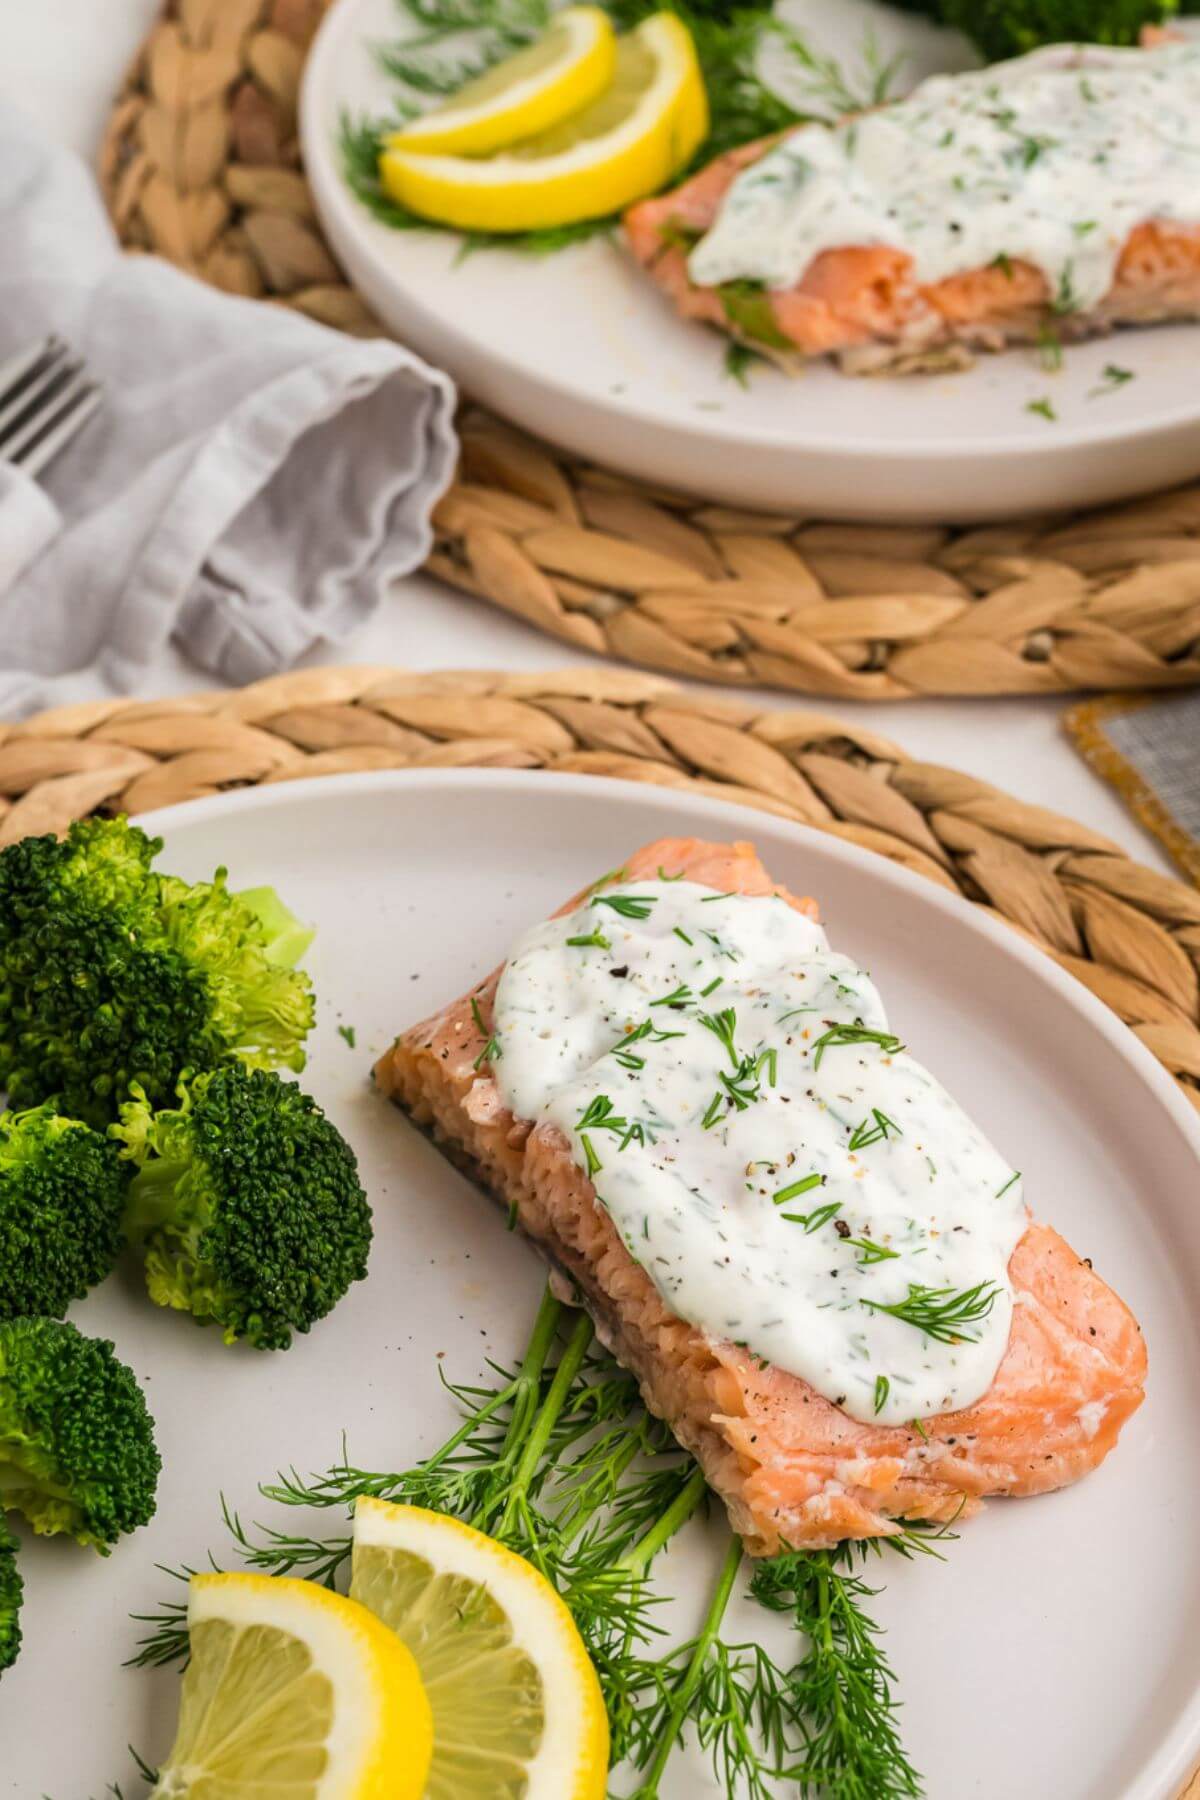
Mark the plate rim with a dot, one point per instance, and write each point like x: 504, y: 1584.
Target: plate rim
x: 342, y: 214
x: 1168, y: 1765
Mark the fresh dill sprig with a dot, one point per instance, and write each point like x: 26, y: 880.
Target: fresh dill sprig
x: 843, y: 1686
x: 941, y: 1313
x: 558, y: 1460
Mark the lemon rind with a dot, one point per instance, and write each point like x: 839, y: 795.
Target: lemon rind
x: 531, y: 106
x: 572, y: 1761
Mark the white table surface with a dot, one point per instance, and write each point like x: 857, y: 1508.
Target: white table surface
x: 63, y: 61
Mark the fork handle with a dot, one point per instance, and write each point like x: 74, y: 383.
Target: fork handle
x: 29, y: 523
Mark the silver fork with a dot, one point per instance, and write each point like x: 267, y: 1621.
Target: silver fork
x: 46, y: 398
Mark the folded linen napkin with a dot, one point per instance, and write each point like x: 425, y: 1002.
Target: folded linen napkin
x: 1148, y: 746
x: 250, y: 486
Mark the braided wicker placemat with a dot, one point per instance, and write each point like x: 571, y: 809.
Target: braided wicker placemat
x: 1130, y: 934
x: 201, y: 164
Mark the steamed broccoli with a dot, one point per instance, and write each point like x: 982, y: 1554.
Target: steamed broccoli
x: 1011, y: 27
x: 11, y: 1592
x: 246, y: 1207
x: 77, y: 1451
x: 62, y: 1192
x: 111, y: 973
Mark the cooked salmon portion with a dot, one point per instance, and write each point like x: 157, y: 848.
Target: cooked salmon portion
x: 792, y: 1468
x: 864, y: 306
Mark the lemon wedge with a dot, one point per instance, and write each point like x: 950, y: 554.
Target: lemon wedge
x: 294, y: 1690
x: 569, y: 66
x: 517, y: 1708
x: 626, y: 144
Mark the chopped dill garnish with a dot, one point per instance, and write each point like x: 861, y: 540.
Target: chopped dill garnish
x: 872, y: 1252
x: 681, y: 933
x: 678, y: 997
x: 813, y: 1221
x: 491, y: 1050
x: 713, y: 1112
x: 795, y: 1188
x: 349, y: 1035
x: 883, y: 1388
x: 598, y: 1115
x: 594, y: 940
x: 1066, y: 299
x: 629, y: 906
x: 858, y: 1033
x: 723, y: 1026
x: 1114, y: 377
x: 864, y: 1134
x: 712, y: 987
x: 738, y: 360
x: 1043, y: 407
x: 1049, y: 348
x: 941, y: 1313
x: 1015, y: 1176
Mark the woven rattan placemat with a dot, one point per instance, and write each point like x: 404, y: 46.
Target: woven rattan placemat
x: 201, y: 164
x: 1129, y: 933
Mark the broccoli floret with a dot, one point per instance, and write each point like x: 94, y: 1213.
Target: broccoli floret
x: 62, y: 1193
x: 111, y: 973
x: 77, y: 1451
x: 1011, y: 27
x: 11, y: 1592
x: 246, y: 1207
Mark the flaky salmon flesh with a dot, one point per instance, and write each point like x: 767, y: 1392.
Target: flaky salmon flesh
x: 863, y: 306
x: 792, y: 1468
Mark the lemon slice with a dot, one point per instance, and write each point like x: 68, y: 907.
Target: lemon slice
x: 628, y: 143
x: 517, y: 1708
x: 294, y: 1691
x: 570, y: 65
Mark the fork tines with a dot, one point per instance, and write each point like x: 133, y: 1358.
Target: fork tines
x: 46, y: 396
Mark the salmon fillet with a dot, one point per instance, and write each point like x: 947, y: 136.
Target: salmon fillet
x: 792, y: 1468
x: 863, y: 305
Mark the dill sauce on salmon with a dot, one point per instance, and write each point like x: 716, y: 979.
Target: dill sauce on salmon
x: 1051, y: 159
x: 777, y: 1164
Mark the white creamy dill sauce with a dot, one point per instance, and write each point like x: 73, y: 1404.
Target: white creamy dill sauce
x: 1051, y: 159
x: 712, y: 1061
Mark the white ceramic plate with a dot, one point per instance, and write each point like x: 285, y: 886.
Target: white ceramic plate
x: 1053, y: 1653
x: 580, y: 348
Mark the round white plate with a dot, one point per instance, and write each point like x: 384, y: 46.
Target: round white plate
x: 1054, y: 1652
x: 581, y: 348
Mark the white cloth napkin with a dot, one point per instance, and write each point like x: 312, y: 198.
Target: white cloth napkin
x: 250, y: 486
